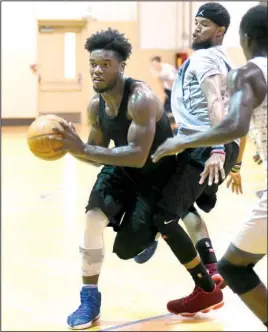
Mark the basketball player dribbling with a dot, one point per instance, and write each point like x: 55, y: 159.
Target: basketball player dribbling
x: 248, y: 102
x: 128, y: 186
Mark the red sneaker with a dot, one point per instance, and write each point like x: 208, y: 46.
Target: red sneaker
x: 198, y: 301
x: 216, y: 277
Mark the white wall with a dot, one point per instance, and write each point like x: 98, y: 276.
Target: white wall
x: 237, y: 10
x: 19, y: 44
x: 164, y: 25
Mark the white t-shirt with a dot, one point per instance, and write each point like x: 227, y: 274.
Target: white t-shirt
x: 189, y: 104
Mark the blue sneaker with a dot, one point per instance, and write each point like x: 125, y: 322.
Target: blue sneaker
x: 88, y: 311
x: 146, y: 254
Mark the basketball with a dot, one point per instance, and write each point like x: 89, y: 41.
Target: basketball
x: 37, y: 138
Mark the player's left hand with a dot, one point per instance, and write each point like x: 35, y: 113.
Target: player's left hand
x: 168, y: 148
x: 213, y: 168
x: 72, y: 143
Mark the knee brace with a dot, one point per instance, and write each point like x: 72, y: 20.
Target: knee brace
x: 92, y: 260
x: 92, y: 246
x: 241, y: 279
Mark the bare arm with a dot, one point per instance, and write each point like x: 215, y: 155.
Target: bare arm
x: 142, y: 108
x: 236, y: 124
x: 96, y: 136
x: 242, y: 147
x: 211, y: 88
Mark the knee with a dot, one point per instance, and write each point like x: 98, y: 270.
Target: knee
x: 194, y: 222
x: 94, y: 227
x: 240, y: 278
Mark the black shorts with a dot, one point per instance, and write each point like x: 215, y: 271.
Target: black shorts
x: 129, y: 208
x: 183, y: 188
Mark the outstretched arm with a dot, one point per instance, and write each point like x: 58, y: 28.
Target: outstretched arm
x: 234, y: 125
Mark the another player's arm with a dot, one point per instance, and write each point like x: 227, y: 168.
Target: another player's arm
x: 236, y: 124
x: 96, y: 136
x: 211, y: 88
x: 142, y: 109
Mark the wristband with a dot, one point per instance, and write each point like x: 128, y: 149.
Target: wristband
x: 218, y: 152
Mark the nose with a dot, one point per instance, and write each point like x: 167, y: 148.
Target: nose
x: 98, y: 70
x: 197, y: 28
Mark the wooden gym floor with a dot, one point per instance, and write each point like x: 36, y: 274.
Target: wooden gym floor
x: 42, y: 213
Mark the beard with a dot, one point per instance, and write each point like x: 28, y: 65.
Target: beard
x: 110, y: 86
x: 101, y: 90
x: 202, y: 45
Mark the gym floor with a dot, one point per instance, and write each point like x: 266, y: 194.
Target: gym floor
x: 42, y: 216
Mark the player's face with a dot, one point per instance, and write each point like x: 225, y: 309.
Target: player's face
x: 156, y: 65
x: 105, y: 70
x: 206, y: 33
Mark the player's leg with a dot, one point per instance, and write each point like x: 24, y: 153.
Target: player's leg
x: 195, y: 225
x: 206, y: 294
x: 137, y: 231
x: 237, y: 265
x: 103, y: 209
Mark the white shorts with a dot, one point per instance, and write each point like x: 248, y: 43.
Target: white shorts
x: 252, y: 237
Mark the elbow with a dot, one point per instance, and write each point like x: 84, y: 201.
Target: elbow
x: 239, y: 130
x: 140, y: 160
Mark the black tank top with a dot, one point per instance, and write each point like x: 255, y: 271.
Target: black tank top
x: 116, y: 129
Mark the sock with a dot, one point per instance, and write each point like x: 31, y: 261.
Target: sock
x: 202, y: 278
x: 90, y: 285
x: 206, y: 251
x: 266, y: 324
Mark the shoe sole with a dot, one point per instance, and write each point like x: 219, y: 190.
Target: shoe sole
x: 204, y: 311
x: 218, y: 280
x: 84, y: 326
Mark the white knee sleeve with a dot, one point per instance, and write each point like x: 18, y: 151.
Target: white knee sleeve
x: 92, y: 246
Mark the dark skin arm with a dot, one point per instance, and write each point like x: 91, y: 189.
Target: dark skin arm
x: 142, y: 109
x: 248, y: 89
x: 96, y: 136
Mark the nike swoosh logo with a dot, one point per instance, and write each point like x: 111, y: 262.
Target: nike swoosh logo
x: 167, y: 222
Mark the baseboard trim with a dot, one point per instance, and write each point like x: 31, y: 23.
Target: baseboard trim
x: 74, y: 117
x: 15, y: 122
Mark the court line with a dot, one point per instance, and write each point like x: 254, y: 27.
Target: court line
x: 115, y: 327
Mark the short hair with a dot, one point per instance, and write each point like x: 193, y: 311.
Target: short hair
x: 216, y: 13
x: 156, y: 58
x: 110, y: 40
x: 255, y: 24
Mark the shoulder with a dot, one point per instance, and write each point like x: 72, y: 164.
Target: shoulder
x: 248, y: 75
x: 209, y: 56
x: 143, y: 102
x: 93, y: 109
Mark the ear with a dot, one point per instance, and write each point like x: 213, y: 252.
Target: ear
x: 220, y: 31
x: 122, y: 66
x: 246, y: 40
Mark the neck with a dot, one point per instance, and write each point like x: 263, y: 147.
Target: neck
x: 114, y: 96
x: 258, y: 53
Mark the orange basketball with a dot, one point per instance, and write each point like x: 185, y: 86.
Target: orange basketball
x: 38, y: 141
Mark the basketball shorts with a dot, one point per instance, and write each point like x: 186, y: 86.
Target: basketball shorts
x: 183, y: 189
x: 129, y: 208
x: 252, y: 238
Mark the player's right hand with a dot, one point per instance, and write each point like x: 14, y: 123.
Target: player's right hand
x: 235, y: 181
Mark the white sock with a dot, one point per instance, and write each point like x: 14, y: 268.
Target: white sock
x: 90, y: 285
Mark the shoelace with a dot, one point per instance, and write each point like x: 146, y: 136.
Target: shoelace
x: 195, y: 292
x: 87, y: 301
